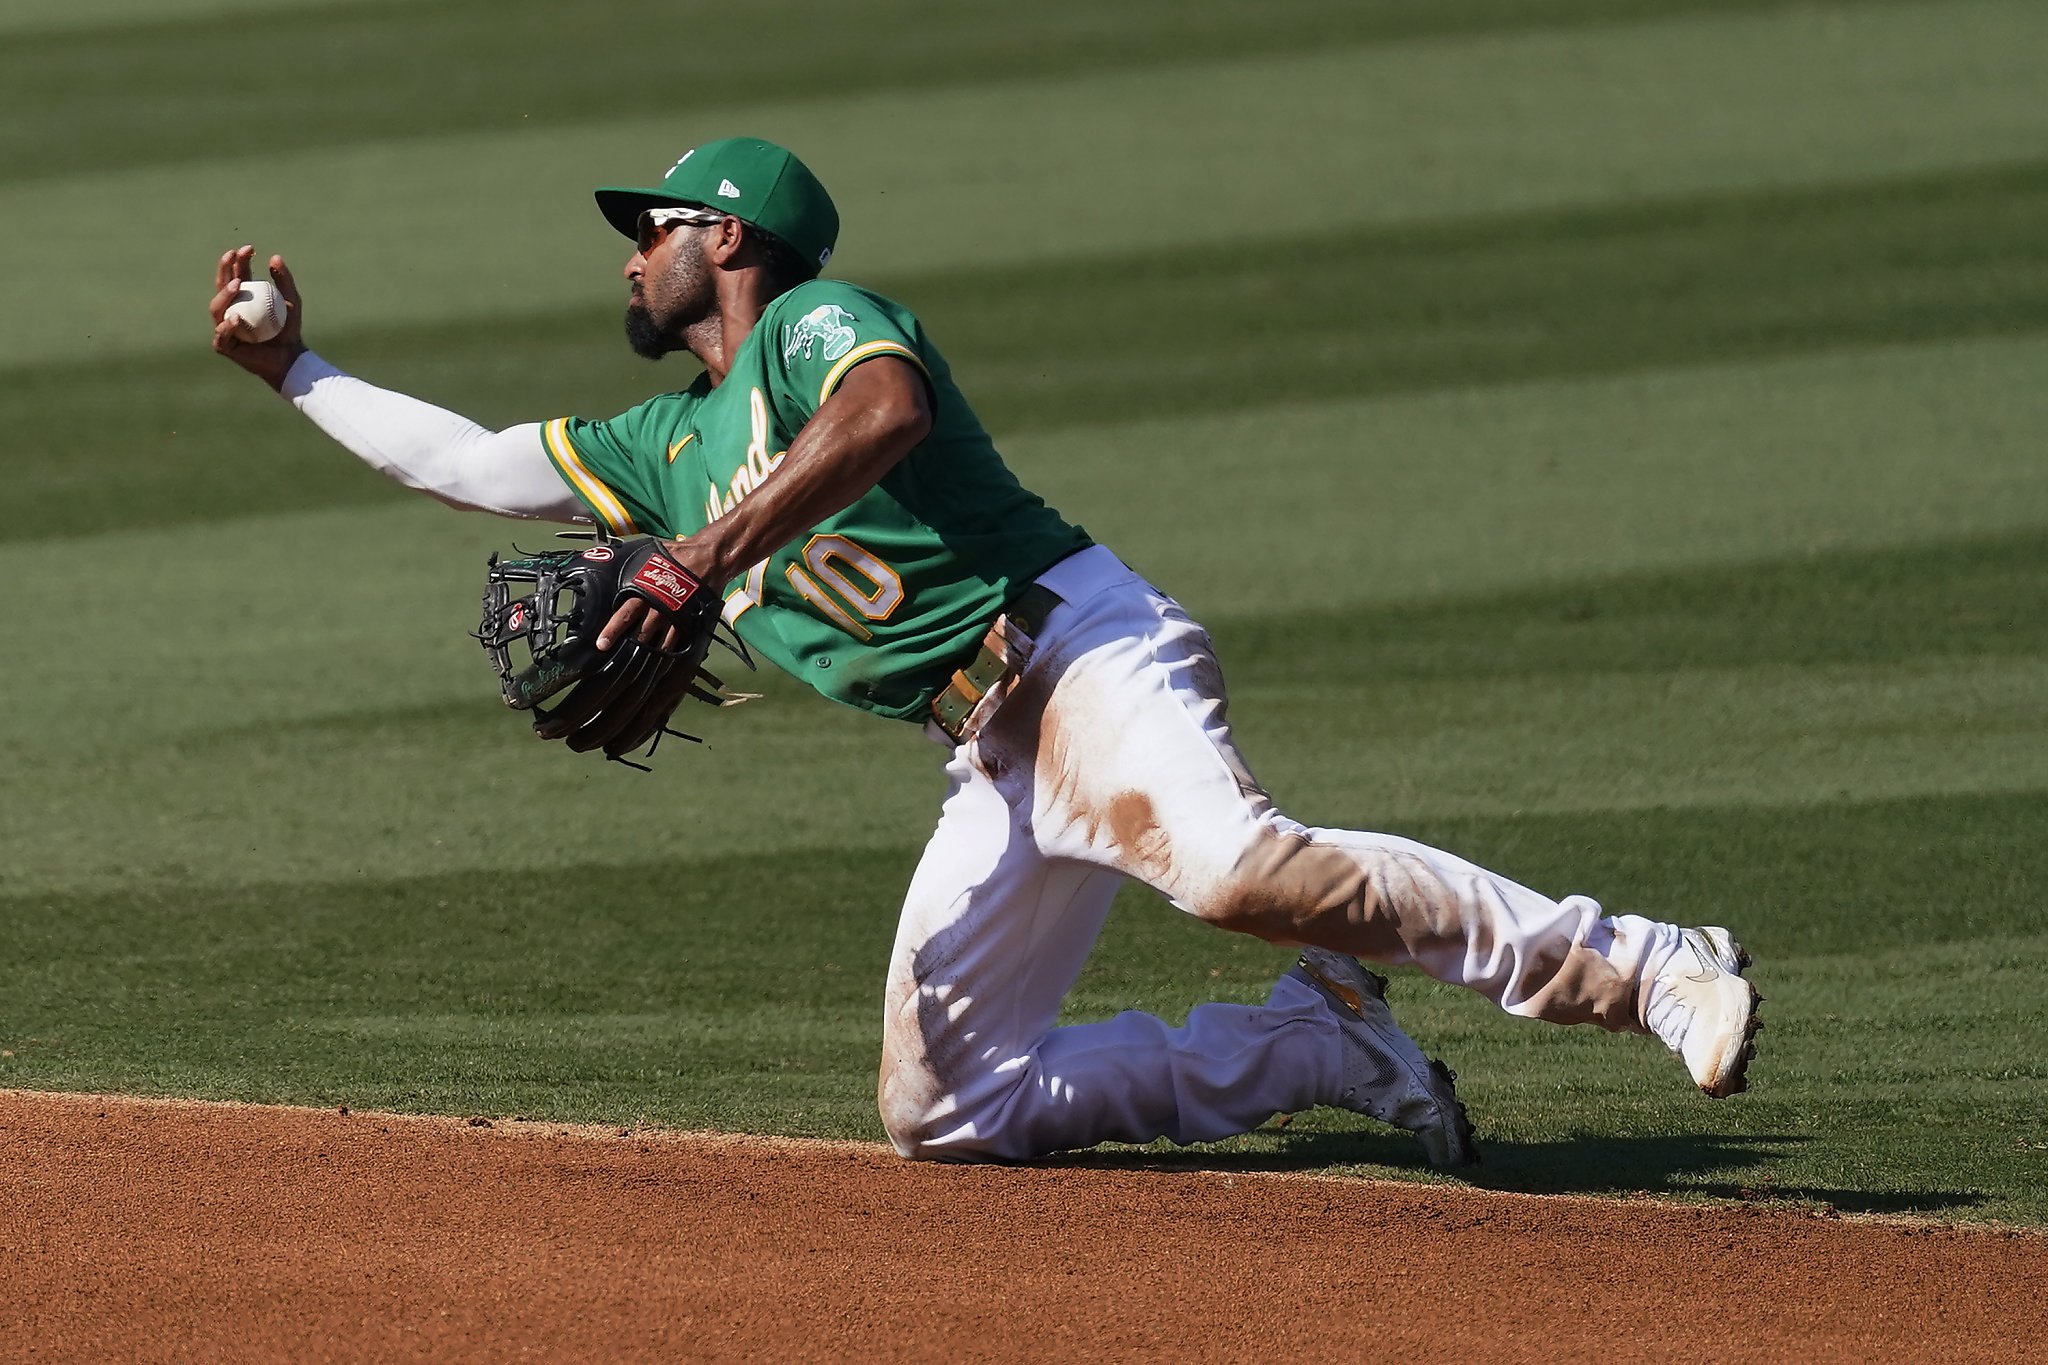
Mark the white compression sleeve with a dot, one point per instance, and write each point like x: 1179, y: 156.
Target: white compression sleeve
x: 432, y: 449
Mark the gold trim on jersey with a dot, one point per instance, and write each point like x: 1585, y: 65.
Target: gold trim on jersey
x: 867, y: 351
x: 808, y: 589
x: 610, y: 508
x: 748, y: 594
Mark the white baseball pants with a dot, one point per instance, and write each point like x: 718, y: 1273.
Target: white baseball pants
x: 1111, y: 758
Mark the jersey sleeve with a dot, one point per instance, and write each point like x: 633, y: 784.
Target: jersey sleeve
x: 603, y: 465
x: 825, y: 328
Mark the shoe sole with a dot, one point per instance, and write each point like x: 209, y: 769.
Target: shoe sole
x: 1733, y: 1076
x: 1462, y: 1149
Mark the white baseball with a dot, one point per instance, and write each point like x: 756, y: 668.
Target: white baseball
x: 257, y: 312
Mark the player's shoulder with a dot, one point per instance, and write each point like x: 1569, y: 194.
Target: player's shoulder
x: 824, y: 322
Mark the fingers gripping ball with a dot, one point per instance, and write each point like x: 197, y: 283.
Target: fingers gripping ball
x: 258, y: 311
x: 543, y: 644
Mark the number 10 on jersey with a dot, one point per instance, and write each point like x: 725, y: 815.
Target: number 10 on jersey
x: 842, y: 579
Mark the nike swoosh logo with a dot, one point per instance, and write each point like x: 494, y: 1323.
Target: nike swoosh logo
x: 677, y: 448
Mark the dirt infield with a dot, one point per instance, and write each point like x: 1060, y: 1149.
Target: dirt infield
x: 135, y: 1230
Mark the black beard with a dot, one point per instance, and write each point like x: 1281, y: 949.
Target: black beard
x: 647, y: 339
x: 686, y: 278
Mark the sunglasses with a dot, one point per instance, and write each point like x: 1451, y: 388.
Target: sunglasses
x: 654, y: 222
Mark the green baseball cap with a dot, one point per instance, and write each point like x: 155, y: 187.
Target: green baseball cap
x: 755, y: 181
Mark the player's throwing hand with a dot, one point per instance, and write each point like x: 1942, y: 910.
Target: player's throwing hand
x: 267, y: 360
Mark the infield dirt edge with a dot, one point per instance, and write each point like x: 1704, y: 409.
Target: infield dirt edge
x: 154, y: 1229
x: 1185, y: 1164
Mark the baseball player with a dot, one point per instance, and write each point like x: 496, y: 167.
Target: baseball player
x: 827, y: 474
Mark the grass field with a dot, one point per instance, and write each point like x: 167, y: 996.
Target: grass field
x: 1604, y: 437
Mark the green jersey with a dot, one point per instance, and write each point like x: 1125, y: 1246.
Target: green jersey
x: 876, y: 605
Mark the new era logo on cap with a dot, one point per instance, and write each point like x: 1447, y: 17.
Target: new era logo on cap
x: 728, y: 190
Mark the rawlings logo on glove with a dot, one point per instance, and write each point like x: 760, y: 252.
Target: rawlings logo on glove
x: 663, y: 581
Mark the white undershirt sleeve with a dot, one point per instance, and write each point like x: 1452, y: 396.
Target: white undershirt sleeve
x: 436, y: 451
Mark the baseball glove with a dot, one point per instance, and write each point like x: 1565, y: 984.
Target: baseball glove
x: 543, y: 642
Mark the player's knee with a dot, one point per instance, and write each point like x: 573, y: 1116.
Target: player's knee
x: 927, y: 1121
x: 910, y: 1109
x: 923, y: 1135
x: 909, y: 1134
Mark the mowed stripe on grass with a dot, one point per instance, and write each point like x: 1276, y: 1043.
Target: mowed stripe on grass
x: 120, y: 74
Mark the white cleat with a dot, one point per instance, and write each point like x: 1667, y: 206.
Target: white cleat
x: 1705, y: 1012
x: 1386, y: 1074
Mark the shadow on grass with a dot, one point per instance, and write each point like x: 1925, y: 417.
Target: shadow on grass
x: 1713, y: 1166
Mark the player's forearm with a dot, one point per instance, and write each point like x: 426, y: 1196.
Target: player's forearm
x: 877, y: 416
x: 431, y: 449
x: 831, y: 463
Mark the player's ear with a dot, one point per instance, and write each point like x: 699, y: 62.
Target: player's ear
x: 728, y: 239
